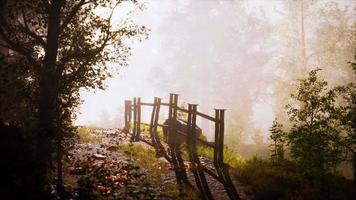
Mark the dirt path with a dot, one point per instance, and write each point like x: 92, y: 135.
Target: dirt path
x: 96, y: 170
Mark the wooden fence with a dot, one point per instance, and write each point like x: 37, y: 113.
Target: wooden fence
x: 172, y: 129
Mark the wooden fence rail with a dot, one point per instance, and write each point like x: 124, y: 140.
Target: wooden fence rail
x: 173, y: 129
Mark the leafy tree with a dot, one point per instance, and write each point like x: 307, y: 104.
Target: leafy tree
x: 16, y: 93
x: 314, y: 139
x: 312, y: 33
x: 335, y: 42
x: 346, y: 114
x: 278, y: 136
x: 64, y: 46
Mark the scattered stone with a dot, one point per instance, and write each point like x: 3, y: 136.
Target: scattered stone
x: 99, y: 156
x: 100, y: 169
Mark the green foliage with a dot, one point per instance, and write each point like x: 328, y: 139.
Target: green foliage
x: 285, y: 181
x: 17, y: 92
x: 267, y: 181
x: 323, y: 126
x: 278, y: 136
x: 146, y: 127
x: 84, y: 133
x: 145, y: 157
x: 58, y: 48
x: 345, y: 113
x: 314, y: 137
x: 230, y: 157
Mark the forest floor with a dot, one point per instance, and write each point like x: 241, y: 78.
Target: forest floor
x: 98, y: 168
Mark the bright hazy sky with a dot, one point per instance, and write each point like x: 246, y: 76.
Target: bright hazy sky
x: 146, y: 63
x: 106, y: 107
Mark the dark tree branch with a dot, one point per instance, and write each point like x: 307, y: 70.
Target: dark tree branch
x: 93, y: 53
x: 72, y: 14
x: 27, y: 30
x: 18, y: 48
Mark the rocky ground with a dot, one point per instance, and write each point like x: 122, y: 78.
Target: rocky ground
x: 97, y: 170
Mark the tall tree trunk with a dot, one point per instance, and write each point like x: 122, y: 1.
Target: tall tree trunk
x: 48, y: 83
x: 302, y: 39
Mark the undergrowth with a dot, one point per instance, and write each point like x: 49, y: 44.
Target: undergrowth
x: 84, y: 133
x: 286, y: 181
x: 145, y: 157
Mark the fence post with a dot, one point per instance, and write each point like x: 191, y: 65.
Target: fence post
x: 128, y: 113
x: 173, y: 103
x: 170, y: 109
x: 158, y: 104
x: 221, y: 168
x: 152, y: 123
x: 134, y: 119
x: 126, y: 116
x: 216, y: 138
x: 138, y: 129
x: 175, y: 98
x: 221, y: 137
x: 194, y: 159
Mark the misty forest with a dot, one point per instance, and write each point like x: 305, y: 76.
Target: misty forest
x: 177, y: 99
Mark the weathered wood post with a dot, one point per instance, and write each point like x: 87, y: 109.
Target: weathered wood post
x: 128, y: 113
x: 134, y: 119
x: 155, y: 126
x: 197, y: 169
x: 221, y: 168
x: 152, y: 123
x: 173, y: 103
x: 138, y: 128
x: 125, y: 116
x: 216, y: 138
x: 221, y: 137
x: 176, y: 159
x: 170, y: 109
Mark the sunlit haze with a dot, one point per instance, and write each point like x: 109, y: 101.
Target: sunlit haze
x: 218, y: 54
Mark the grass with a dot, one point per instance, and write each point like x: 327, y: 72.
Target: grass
x: 84, y: 133
x: 286, y: 181
x: 145, y: 157
x: 146, y: 127
x: 230, y: 157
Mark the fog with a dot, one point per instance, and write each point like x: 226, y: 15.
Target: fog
x: 224, y: 54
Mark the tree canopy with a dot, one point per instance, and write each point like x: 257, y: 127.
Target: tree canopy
x: 56, y: 48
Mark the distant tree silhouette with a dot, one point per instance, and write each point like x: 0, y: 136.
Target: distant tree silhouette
x: 278, y: 136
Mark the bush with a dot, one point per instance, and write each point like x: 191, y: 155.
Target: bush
x: 286, y: 181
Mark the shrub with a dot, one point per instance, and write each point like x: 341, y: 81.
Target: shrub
x: 286, y: 181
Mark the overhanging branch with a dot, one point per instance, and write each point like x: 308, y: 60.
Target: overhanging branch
x: 18, y: 48
x: 72, y: 14
x: 25, y: 27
